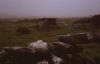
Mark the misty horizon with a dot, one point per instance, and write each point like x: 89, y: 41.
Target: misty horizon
x: 48, y: 8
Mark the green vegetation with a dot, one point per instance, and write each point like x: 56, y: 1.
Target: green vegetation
x: 23, y: 32
x: 90, y: 50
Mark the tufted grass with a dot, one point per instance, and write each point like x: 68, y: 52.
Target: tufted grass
x: 9, y: 36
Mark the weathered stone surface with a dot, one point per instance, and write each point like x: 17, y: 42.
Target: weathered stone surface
x: 76, y: 38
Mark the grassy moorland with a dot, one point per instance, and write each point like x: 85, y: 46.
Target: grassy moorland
x: 24, y: 32
x: 10, y: 36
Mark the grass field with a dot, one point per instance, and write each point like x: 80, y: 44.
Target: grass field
x: 9, y: 36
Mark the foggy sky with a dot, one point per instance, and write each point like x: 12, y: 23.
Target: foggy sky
x: 49, y: 8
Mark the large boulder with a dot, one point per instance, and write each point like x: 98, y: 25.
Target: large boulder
x: 77, y: 38
x: 17, y: 55
x: 42, y: 50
